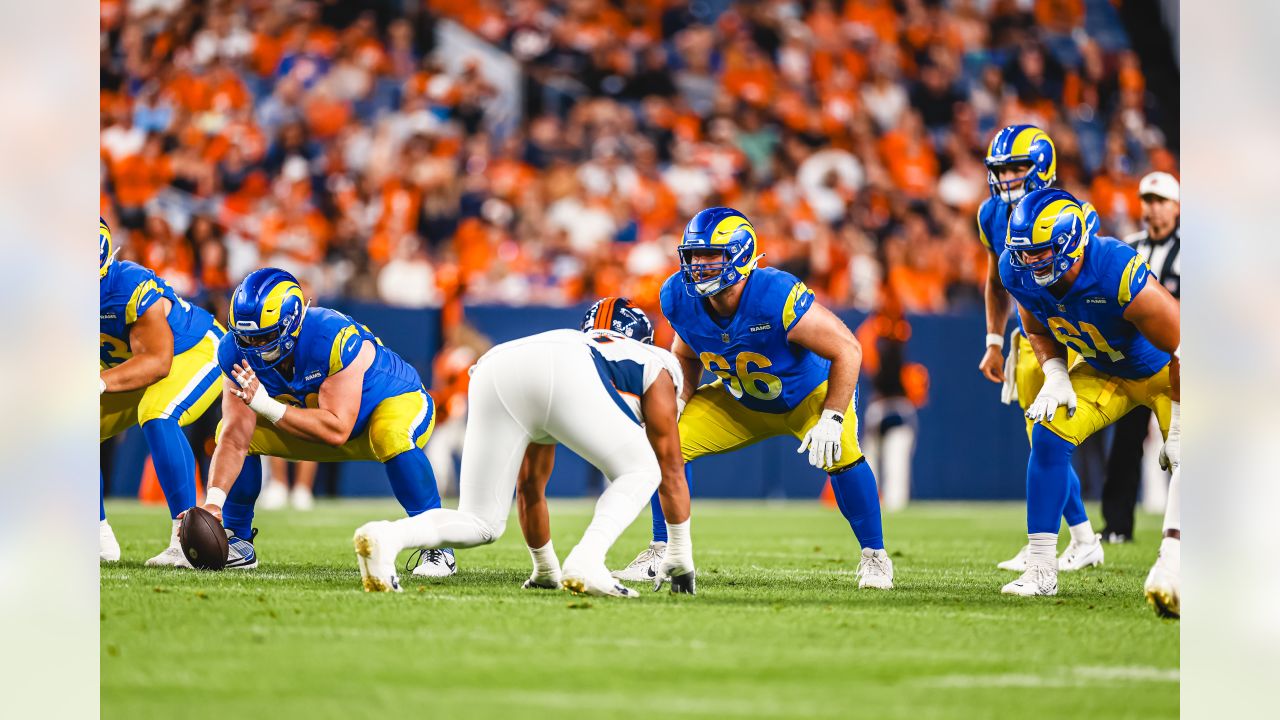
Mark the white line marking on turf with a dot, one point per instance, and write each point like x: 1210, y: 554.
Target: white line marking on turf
x: 1078, y: 676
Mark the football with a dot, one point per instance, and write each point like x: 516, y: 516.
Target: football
x: 203, y: 540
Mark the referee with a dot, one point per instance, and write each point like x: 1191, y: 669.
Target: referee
x: 1158, y: 244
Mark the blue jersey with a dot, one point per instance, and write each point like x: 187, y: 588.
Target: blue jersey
x: 750, y: 352
x: 126, y: 292
x: 993, y: 224
x: 328, y: 342
x: 1090, y: 317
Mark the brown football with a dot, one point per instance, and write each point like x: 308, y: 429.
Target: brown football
x: 203, y: 540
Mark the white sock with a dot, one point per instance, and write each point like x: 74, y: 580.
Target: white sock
x: 173, y: 536
x: 104, y: 524
x: 618, y: 507
x: 442, y: 528
x: 1171, y: 551
x: 1173, y: 504
x: 1083, y: 533
x: 1042, y: 549
x: 545, y: 561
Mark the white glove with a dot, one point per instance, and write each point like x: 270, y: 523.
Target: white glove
x: 102, y: 386
x: 1171, y: 453
x: 1056, y: 391
x: 254, y: 396
x: 823, y: 440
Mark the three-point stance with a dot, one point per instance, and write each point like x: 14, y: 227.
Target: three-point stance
x: 309, y: 383
x: 604, y: 394
x: 1093, y: 295
x: 785, y: 366
x: 158, y: 372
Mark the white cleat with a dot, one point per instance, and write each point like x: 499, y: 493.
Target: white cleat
x: 645, y: 567
x: 543, y: 581
x: 1161, y: 587
x: 1079, y: 556
x: 170, y: 557
x: 301, y: 499
x: 1017, y: 563
x: 597, y: 582
x: 436, y: 563
x: 377, y: 562
x: 275, y: 496
x: 875, y: 570
x: 1037, y: 580
x: 108, y: 547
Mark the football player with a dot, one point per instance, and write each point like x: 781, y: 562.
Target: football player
x: 607, y: 394
x: 157, y: 371
x: 784, y: 364
x: 1021, y: 159
x: 1092, y: 295
x: 309, y: 383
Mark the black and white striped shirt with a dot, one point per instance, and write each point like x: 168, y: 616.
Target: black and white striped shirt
x: 1162, y: 256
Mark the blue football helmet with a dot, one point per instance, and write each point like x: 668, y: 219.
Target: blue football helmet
x: 1051, y: 219
x: 266, y: 317
x: 1021, y: 145
x: 620, y: 316
x: 1092, y: 221
x: 723, y: 230
x: 106, y: 251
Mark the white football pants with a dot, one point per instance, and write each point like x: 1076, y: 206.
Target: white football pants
x: 542, y: 391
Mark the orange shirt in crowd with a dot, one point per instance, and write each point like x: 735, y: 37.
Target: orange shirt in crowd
x: 1112, y: 196
x: 138, y: 178
x: 302, y: 235
x: 400, y: 203
x: 921, y: 290
x: 912, y: 165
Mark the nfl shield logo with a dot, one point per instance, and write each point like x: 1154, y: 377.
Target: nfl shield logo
x: 724, y: 337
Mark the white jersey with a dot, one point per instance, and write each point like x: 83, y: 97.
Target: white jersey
x: 627, y: 367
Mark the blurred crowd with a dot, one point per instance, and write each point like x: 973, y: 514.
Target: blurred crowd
x: 337, y: 140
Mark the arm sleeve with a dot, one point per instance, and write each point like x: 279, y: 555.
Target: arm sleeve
x: 798, y: 302
x: 1132, y: 279
x: 346, y: 346
x: 145, y: 294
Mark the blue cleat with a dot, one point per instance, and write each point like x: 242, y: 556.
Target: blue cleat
x: 240, y: 554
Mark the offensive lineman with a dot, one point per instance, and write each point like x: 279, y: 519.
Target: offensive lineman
x: 309, y: 383
x: 602, y: 393
x: 1091, y: 294
x: 785, y: 365
x: 158, y: 371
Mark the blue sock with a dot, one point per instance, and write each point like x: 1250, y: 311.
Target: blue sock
x: 655, y: 507
x: 859, y: 502
x: 1048, y: 480
x: 237, y: 512
x: 1075, y: 512
x: 413, y: 482
x: 102, y: 508
x: 174, y: 462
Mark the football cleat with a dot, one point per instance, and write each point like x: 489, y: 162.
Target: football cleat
x: 1017, y: 563
x: 1079, y: 556
x: 875, y: 570
x: 1161, y: 587
x: 376, y: 559
x: 240, y: 553
x: 1037, y: 580
x: 170, y: 557
x: 108, y: 547
x: 543, y: 581
x: 645, y: 567
x: 581, y: 581
x: 434, y: 563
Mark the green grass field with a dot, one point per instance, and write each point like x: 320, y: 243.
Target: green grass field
x: 778, y: 628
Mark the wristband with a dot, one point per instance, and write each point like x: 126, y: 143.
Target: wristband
x: 1055, y: 367
x: 995, y: 339
x: 102, y: 385
x: 1175, y: 415
x: 215, y: 496
x: 267, y: 406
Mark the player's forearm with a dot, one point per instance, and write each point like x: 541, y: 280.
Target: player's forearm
x: 316, y: 424
x: 998, y: 304
x: 1045, y: 347
x: 843, y: 378
x: 692, y: 370
x: 224, y: 468
x: 137, y: 372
